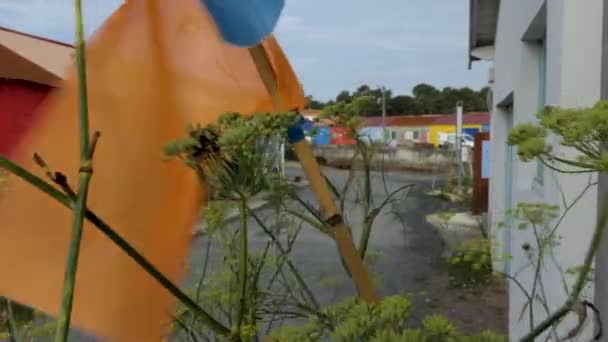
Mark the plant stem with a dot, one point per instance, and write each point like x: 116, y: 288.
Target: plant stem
x: 290, y: 264
x: 65, y: 313
x: 68, y: 202
x: 537, y: 275
x: 580, y: 282
x: 12, y: 324
x: 368, y: 222
x: 242, y: 264
x: 319, y: 225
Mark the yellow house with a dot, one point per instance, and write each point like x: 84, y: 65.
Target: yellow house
x: 435, y: 130
x: 472, y: 123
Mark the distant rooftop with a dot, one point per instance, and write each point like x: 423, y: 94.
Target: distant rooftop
x: 414, y: 120
x: 472, y: 118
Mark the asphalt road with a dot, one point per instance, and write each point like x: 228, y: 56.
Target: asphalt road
x: 409, y: 247
x: 407, y: 244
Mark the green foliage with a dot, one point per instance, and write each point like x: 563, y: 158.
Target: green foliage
x: 295, y: 333
x: 534, y: 213
x: 312, y: 103
x: 486, y: 336
x: 215, y: 216
x: 446, y: 216
x: 23, y: 315
x: 439, y: 329
x: 539, y: 217
x: 583, y: 129
x: 403, y: 336
x: 349, y: 109
x: 530, y: 141
x: 577, y: 126
x: 426, y: 99
x: 230, y: 155
x: 353, y: 320
x: 234, y: 155
x: 24, y: 321
x: 348, y: 114
x: 471, y: 264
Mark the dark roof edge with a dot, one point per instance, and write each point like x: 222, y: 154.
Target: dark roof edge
x: 52, y: 41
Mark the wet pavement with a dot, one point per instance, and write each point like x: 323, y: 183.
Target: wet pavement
x: 407, y: 245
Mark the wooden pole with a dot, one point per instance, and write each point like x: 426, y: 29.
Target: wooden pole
x: 311, y: 169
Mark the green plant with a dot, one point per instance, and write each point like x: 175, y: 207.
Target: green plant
x: 233, y: 155
x: 439, y: 329
x: 471, y: 264
x: 388, y: 321
x: 584, y: 131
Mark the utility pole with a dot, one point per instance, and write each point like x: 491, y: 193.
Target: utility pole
x: 383, y: 113
x: 459, y: 110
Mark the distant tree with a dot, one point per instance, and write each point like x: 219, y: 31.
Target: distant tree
x: 403, y: 104
x: 474, y: 101
x: 344, y: 96
x: 449, y: 97
x: 428, y: 98
x: 484, y: 94
x: 362, y: 90
x: 373, y: 106
x: 425, y: 99
x: 311, y: 103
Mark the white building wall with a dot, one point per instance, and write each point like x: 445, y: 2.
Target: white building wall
x: 573, y: 60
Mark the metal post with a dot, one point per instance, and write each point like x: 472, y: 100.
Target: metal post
x: 459, y: 109
x: 383, y: 107
x: 282, y: 167
x: 383, y: 102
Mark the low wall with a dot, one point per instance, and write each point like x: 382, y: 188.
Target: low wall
x: 418, y: 158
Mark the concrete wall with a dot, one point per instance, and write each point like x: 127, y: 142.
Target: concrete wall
x: 573, y: 38
x: 601, y: 278
x: 419, y: 158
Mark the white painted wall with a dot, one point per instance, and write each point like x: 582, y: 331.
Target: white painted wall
x: 573, y: 79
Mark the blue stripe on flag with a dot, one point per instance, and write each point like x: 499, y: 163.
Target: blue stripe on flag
x: 245, y: 22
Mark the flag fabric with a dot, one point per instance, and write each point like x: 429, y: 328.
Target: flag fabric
x: 150, y: 72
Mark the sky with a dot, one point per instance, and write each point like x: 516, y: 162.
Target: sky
x: 332, y: 44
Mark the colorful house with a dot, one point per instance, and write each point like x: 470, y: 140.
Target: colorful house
x: 30, y: 67
x: 341, y: 136
x: 411, y: 128
x: 398, y: 129
x: 472, y: 123
x: 322, y: 136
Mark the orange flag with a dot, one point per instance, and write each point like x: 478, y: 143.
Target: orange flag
x: 148, y: 76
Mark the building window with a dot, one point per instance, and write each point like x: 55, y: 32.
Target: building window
x: 539, y: 179
x: 393, y: 135
x: 416, y: 135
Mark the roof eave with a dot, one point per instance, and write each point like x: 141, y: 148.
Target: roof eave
x: 33, y: 58
x: 479, y: 29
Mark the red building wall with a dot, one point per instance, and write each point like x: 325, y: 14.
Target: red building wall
x: 341, y: 136
x: 19, y: 101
